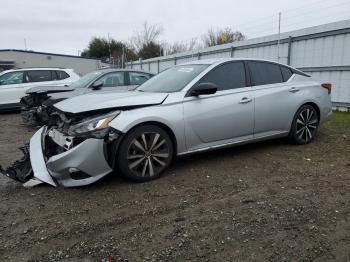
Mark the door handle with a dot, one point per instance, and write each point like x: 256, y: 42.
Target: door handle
x: 294, y: 90
x: 245, y: 100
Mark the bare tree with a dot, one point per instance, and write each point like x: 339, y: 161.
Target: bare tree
x: 222, y: 36
x: 149, y: 34
x: 182, y: 46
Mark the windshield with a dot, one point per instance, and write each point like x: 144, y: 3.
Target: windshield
x: 86, y: 79
x: 173, y: 79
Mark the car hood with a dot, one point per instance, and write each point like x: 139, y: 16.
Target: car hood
x: 49, y: 89
x: 102, y: 101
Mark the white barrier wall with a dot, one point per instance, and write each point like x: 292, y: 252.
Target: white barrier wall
x: 322, y: 51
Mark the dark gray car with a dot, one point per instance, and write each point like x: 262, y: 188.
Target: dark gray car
x: 36, y: 103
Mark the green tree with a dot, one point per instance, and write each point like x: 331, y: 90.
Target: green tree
x: 150, y: 50
x: 101, y: 48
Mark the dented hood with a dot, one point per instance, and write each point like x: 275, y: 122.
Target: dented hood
x: 48, y: 89
x: 92, y: 102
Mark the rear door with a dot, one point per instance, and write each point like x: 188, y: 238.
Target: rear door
x: 275, y: 99
x: 224, y: 116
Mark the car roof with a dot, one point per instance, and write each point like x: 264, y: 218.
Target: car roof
x: 218, y: 61
x: 106, y: 70
x: 223, y: 60
x: 36, y: 68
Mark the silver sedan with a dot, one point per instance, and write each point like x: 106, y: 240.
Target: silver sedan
x: 189, y: 108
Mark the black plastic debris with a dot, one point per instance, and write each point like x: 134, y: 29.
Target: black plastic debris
x: 21, y: 170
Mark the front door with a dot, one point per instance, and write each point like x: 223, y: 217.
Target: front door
x: 223, y: 117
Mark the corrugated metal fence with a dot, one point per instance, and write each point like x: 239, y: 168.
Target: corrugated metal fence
x: 322, y: 51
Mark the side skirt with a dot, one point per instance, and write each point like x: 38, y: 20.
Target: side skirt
x: 235, y: 143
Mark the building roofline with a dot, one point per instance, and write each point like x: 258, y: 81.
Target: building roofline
x: 44, y: 53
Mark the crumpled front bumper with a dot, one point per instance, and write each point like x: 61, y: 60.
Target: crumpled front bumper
x: 82, y: 165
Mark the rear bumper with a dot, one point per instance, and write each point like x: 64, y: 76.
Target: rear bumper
x: 79, y: 166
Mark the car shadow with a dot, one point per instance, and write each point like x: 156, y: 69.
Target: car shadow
x: 197, y: 159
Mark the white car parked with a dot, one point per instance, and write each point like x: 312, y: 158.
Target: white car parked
x: 14, y: 83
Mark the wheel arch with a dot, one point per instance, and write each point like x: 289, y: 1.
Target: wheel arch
x: 165, y: 127
x: 314, y: 105
x: 310, y: 103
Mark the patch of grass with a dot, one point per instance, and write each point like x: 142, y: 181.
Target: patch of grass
x: 340, y: 123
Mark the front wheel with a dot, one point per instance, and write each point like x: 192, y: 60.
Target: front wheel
x: 145, y: 153
x: 305, y: 125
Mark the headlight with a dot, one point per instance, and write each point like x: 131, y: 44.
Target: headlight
x: 95, y: 127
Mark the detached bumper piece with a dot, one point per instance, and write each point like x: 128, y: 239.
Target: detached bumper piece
x: 29, y: 117
x: 21, y: 170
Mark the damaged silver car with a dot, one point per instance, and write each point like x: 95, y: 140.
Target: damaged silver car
x: 36, y: 105
x: 194, y: 107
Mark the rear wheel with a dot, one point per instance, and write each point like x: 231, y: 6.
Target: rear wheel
x: 145, y: 153
x: 305, y: 125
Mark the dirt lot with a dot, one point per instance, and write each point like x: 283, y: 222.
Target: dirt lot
x: 268, y: 201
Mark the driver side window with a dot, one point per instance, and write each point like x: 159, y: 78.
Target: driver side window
x: 113, y: 79
x: 227, y: 76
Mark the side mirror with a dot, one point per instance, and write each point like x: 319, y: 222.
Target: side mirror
x: 204, y: 89
x: 97, y: 85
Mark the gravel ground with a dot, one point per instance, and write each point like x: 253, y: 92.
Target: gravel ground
x: 269, y: 201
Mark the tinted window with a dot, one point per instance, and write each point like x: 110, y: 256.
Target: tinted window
x: 173, y: 79
x: 113, y: 79
x: 286, y: 72
x: 86, y: 79
x: 38, y: 76
x: 61, y: 75
x: 136, y: 78
x: 227, y: 76
x: 11, y: 78
x: 265, y: 73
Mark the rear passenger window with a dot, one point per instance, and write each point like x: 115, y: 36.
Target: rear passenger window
x: 286, y: 72
x: 38, y: 76
x: 265, y: 73
x: 61, y: 75
x: 136, y: 78
x: 226, y: 76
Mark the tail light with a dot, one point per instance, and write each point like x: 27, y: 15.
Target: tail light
x: 328, y: 86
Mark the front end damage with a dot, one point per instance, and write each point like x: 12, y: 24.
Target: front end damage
x: 60, y: 159
x: 36, y: 110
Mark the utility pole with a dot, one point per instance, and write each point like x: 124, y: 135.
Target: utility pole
x: 25, y: 44
x: 109, y: 47
x: 279, y: 36
x: 123, y: 57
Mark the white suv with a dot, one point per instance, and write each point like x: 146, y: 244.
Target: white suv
x: 14, y: 83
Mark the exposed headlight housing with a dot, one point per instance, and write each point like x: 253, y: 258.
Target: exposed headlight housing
x: 95, y: 127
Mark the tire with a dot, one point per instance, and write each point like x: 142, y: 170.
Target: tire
x: 304, y: 126
x: 145, y: 153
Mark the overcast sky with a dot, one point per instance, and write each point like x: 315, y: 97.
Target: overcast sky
x: 66, y: 26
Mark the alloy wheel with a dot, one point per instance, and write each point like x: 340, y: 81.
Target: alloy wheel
x: 306, y: 124
x: 148, y: 154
